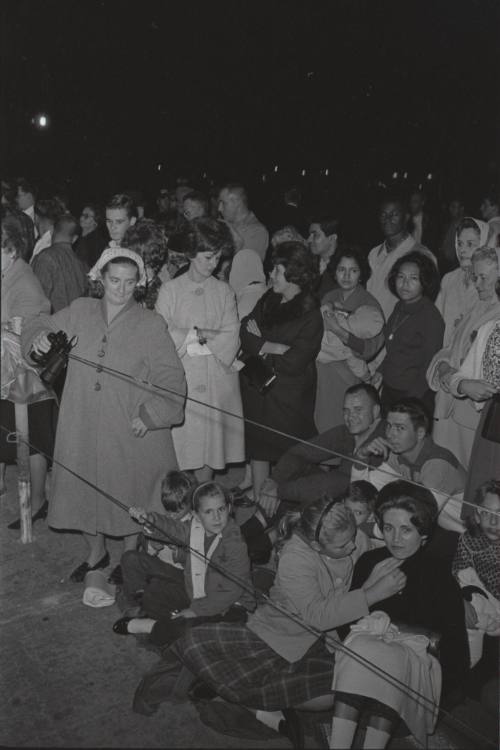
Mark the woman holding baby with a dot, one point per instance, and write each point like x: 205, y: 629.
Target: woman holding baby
x: 353, y: 335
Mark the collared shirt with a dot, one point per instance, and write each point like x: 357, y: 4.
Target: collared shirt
x: 42, y: 243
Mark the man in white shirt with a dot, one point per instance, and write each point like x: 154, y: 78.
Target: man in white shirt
x: 394, y: 217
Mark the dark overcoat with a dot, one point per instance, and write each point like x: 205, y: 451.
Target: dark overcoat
x: 289, y: 404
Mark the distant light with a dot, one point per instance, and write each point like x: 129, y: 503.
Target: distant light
x: 394, y: 175
x: 204, y: 175
x: 420, y: 186
x: 158, y: 167
x: 303, y: 173
x: 429, y: 176
x: 41, y: 121
x: 405, y: 176
x: 327, y: 172
x: 275, y: 167
x: 263, y: 178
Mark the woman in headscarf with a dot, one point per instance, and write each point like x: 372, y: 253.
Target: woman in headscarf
x: 458, y: 294
x: 456, y: 419
x: 112, y: 432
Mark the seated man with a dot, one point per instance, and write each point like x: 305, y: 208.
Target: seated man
x: 409, y: 452
x: 305, y: 472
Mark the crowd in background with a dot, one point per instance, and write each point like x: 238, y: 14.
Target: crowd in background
x: 360, y: 388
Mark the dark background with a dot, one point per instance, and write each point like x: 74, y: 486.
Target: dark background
x: 364, y: 88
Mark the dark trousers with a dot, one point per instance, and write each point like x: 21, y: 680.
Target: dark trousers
x: 162, y: 584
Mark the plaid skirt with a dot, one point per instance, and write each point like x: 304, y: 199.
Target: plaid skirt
x: 242, y: 668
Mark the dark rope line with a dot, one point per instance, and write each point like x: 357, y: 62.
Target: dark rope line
x: 336, y: 644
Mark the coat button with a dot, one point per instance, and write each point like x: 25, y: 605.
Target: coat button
x: 104, y: 339
x: 100, y: 353
x: 97, y: 387
x: 98, y: 368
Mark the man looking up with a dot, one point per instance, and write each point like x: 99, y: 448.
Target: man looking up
x: 408, y: 450
x: 305, y: 472
x: 121, y: 214
x: 233, y: 207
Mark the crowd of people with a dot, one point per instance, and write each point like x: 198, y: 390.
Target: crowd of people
x: 359, y: 390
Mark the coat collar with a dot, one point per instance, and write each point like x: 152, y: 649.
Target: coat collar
x: 277, y: 313
x: 129, y: 306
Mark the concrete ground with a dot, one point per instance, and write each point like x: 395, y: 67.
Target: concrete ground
x: 67, y: 681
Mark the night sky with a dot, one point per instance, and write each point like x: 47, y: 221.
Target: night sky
x: 362, y: 87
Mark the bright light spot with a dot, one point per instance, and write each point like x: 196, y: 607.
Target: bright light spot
x: 429, y: 176
x: 275, y: 167
x: 204, y: 175
x: 41, y: 121
x: 420, y: 186
x: 394, y: 175
x: 158, y: 167
x: 327, y: 172
x: 263, y: 178
x: 303, y: 173
x: 405, y: 176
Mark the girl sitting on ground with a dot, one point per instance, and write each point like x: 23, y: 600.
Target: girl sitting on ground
x: 148, y: 571
x: 201, y: 592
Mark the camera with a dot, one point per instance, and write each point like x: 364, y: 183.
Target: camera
x: 56, y: 359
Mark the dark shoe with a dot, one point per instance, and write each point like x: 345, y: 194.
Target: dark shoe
x: 116, y: 576
x: 200, y: 691
x: 81, y: 571
x: 291, y: 727
x: 39, y: 515
x: 121, y: 626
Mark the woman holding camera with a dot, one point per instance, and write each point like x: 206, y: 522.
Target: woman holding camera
x: 113, y: 433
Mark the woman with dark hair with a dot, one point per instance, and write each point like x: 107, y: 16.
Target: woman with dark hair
x: 285, y: 329
x: 396, y: 637
x: 458, y: 294
x: 22, y: 299
x: 92, y: 241
x: 111, y: 432
x: 413, y: 333
x: 147, y: 238
x: 353, y: 335
x: 202, y: 319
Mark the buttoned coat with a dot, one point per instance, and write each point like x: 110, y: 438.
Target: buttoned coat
x: 94, y: 434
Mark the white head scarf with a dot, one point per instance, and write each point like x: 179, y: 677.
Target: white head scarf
x: 109, y: 254
x: 483, y: 231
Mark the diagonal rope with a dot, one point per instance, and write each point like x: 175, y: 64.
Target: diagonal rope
x: 411, y: 693
x: 153, y: 387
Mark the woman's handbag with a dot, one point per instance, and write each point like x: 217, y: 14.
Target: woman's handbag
x: 259, y: 373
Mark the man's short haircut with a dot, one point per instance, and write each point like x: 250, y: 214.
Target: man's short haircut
x: 367, y: 388
x: 66, y: 224
x: 392, y: 197
x: 236, y: 188
x: 27, y: 186
x: 48, y: 209
x: 415, y: 410
x: 197, y: 197
x: 328, y: 224
x: 122, y: 200
x: 361, y: 491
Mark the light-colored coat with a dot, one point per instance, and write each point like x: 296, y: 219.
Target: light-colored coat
x: 94, y: 435
x: 304, y: 585
x: 208, y: 436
